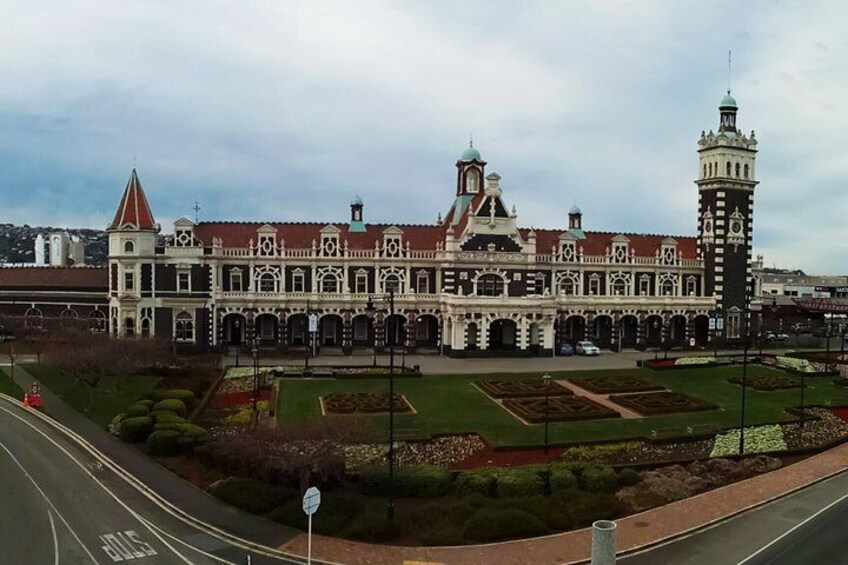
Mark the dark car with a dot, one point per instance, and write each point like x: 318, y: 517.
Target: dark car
x: 565, y: 350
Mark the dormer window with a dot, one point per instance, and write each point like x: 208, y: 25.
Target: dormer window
x: 618, y: 253
x: 668, y: 252
x: 330, y: 242
x: 392, y: 242
x: 567, y: 251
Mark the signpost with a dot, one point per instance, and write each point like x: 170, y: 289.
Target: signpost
x: 313, y: 330
x: 311, y: 502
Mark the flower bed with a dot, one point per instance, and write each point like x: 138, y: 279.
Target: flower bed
x: 665, y: 402
x: 607, y: 385
x: 522, y: 388
x: 686, y: 362
x: 231, y: 399
x: 768, y: 382
x: 758, y: 439
x: 363, y: 403
x: 559, y: 409
x: 637, y: 452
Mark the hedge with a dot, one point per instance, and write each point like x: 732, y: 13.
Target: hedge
x: 423, y: 481
x: 162, y: 443
x: 481, y: 481
x: 250, y: 495
x: 171, y: 405
x: 186, y: 396
x: 628, y: 477
x: 162, y: 416
x: 146, y: 402
x: 577, y: 509
x: 519, y: 482
x: 134, y: 430
x: 137, y: 410
x: 600, y: 479
x: 337, y: 510
x: 374, y: 527
x: 561, y: 478
x: 502, y: 523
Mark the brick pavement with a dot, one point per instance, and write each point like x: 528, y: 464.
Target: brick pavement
x: 639, y: 530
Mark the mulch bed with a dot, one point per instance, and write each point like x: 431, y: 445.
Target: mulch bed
x: 612, y: 385
x: 363, y: 403
x: 768, y: 382
x: 559, y: 409
x: 232, y: 399
x: 665, y: 402
x: 523, y: 388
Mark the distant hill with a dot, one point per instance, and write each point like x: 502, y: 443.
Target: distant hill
x: 17, y: 243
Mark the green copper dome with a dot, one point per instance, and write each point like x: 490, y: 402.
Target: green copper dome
x: 728, y: 101
x: 470, y: 154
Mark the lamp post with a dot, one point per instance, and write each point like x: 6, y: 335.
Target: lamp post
x: 656, y: 325
x: 255, y: 352
x: 369, y: 307
x: 745, y: 369
x: 717, y: 329
x: 306, y: 341
x: 547, y: 380
x: 237, y: 339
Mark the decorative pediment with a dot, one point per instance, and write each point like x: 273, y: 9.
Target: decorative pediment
x: 669, y: 241
x: 330, y: 229
x: 567, y: 236
x: 392, y: 231
x: 267, y: 229
x: 620, y: 239
x: 184, y: 223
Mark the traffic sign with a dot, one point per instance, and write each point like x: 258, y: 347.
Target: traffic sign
x: 313, y: 323
x: 720, y: 324
x: 712, y: 324
x: 311, y: 500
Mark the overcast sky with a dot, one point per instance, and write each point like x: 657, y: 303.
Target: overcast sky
x: 284, y: 111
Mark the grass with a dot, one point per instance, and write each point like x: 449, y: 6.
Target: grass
x: 7, y: 386
x: 110, y: 397
x: 451, y: 404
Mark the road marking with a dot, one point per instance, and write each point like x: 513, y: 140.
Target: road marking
x: 49, y: 502
x: 792, y: 529
x: 119, y: 546
x: 55, y: 538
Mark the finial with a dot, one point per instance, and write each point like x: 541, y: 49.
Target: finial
x: 729, y: 69
x: 196, y: 209
x: 134, y: 162
x: 470, y: 139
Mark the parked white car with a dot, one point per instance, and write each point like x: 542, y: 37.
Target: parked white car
x: 587, y: 348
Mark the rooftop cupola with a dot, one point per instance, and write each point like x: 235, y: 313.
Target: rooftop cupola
x: 727, y: 110
x: 357, y: 225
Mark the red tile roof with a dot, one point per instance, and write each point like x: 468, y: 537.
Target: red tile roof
x: 34, y: 278
x: 133, y: 211
x: 596, y: 243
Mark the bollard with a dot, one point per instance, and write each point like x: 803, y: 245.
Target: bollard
x: 603, y: 542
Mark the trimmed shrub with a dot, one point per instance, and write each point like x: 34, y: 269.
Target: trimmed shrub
x: 374, y: 527
x: 250, y: 495
x: 519, y: 482
x: 502, y: 523
x: 443, y: 533
x: 628, y: 477
x: 137, y: 410
x: 374, y: 480
x: 481, y: 481
x: 570, y: 509
x: 561, y: 478
x: 146, y: 402
x: 173, y: 405
x: 337, y: 510
x: 162, y: 416
x: 600, y: 479
x: 423, y: 481
x: 134, y: 430
x: 187, y: 397
x: 162, y: 443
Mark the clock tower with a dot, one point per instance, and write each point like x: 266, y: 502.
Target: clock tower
x: 726, y: 183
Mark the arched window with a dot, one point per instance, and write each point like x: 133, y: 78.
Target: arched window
x: 68, y: 318
x: 472, y: 181
x: 33, y: 318
x: 129, y: 247
x: 728, y: 168
x: 668, y: 288
x: 267, y: 283
x: 619, y: 287
x: 737, y: 170
x: 184, y: 327
x: 329, y: 284
x: 145, y: 327
x: 711, y: 169
x: 705, y: 170
x: 97, y: 321
x: 567, y: 287
x: 490, y: 285
x: 392, y: 284
x: 745, y: 171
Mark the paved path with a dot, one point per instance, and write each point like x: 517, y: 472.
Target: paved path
x: 602, y: 399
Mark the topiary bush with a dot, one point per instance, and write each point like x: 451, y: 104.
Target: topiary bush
x: 250, y: 495
x: 137, y: 410
x: 628, y: 477
x: 422, y: 481
x: 163, y: 443
x: 187, y: 397
x: 600, y: 479
x: 570, y: 509
x: 481, y: 481
x: 163, y: 416
x: 135, y: 430
x: 172, y: 405
x: 561, y: 478
x: 519, y: 482
x: 502, y: 523
x: 146, y: 402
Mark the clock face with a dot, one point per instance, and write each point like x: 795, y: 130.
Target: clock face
x: 736, y: 226
x: 708, y: 226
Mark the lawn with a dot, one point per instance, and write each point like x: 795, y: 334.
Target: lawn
x: 111, y: 396
x: 7, y: 386
x: 450, y: 404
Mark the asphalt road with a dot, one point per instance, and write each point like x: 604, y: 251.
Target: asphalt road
x: 808, y: 527
x: 59, y: 505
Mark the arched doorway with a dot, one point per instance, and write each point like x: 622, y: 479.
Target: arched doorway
x: 363, y: 331
x: 427, y: 331
x: 471, y: 336
x: 677, y: 330
x: 502, y: 335
x: 267, y: 329
x: 702, y: 330
x: 602, y: 330
x: 575, y: 329
x: 396, y: 330
x: 298, y: 329
x: 129, y: 327
x: 330, y: 330
x: 653, y: 331
x: 235, y: 326
x: 535, y: 338
x: 629, y: 328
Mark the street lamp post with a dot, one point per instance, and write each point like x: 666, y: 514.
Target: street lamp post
x: 307, y: 342
x: 717, y: 329
x: 237, y: 339
x: 369, y: 307
x: 547, y: 380
x: 744, y: 371
x: 255, y: 352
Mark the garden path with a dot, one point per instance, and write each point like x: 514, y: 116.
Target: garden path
x: 602, y: 399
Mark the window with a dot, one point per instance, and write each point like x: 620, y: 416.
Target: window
x: 727, y: 168
x: 298, y: 281
x: 422, y: 283
x: 473, y: 181
x: 644, y: 285
x: 705, y: 170
x: 329, y: 284
x: 129, y: 247
x: 235, y: 280
x: 129, y: 281
x: 33, y: 318
x: 183, y: 281
x: 711, y: 169
x: 619, y: 287
x: 267, y: 283
x: 733, y: 325
x: 745, y: 171
x: 360, y: 328
x: 129, y: 327
x: 97, y: 321
x: 392, y: 284
x: 668, y: 288
x: 567, y: 287
x: 737, y: 170
x: 490, y: 285
x: 361, y: 284
x: 691, y: 286
x: 184, y: 327
x: 594, y: 285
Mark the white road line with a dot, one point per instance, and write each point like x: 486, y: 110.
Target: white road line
x: 96, y: 480
x: 792, y: 529
x: 48, y: 501
x: 55, y: 538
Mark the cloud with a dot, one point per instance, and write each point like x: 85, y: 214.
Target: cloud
x: 272, y: 110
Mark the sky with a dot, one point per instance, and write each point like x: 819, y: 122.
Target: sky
x: 284, y: 111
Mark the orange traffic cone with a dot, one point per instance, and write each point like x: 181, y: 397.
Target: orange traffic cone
x: 26, y: 400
